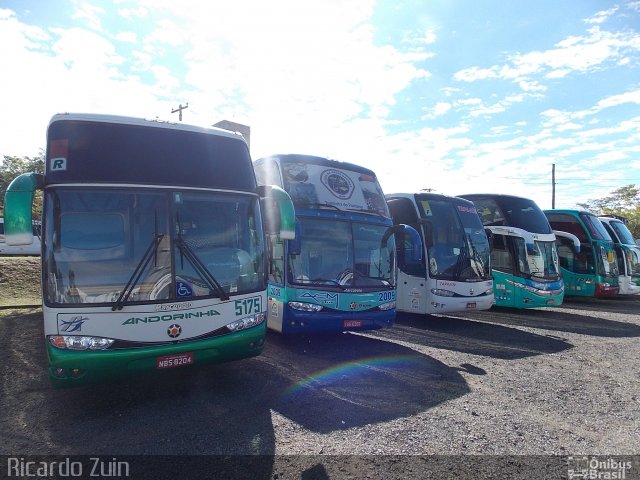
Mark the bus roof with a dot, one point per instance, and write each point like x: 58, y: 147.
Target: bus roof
x: 141, y: 122
x: 296, y: 157
x: 108, y: 149
x: 430, y: 196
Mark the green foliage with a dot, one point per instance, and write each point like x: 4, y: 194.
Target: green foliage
x: 624, y: 201
x: 11, y: 167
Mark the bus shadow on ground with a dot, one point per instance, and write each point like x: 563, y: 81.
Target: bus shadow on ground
x: 209, y: 410
x: 343, y: 381
x: 471, y: 336
x: 323, y: 384
x: 625, y: 304
x: 561, y: 319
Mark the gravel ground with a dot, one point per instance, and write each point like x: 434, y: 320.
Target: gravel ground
x: 561, y: 381
x: 497, y: 394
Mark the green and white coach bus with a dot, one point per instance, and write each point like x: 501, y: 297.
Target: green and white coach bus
x: 593, y: 271
x: 524, y: 255
x: 627, y: 255
x: 153, y: 251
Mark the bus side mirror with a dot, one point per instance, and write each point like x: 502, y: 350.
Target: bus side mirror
x: 18, y: 202
x: 279, y: 213
x: 573, y: 241
x: 407, y: 240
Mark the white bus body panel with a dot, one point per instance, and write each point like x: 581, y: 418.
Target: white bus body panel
x: 414, y: 295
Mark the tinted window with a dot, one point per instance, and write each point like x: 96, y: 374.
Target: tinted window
x: 568, y: 223
x: 595, y: 227
x: 110, y: 152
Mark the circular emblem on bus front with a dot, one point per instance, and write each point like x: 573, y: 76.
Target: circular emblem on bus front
x: 174, y: 330
x: 338, y: 183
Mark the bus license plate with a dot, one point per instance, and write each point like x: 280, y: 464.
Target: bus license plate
x: 352, y: 323
x: 178, y: 360
x: 471, y: 305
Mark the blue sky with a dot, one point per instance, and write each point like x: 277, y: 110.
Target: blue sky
x: 456, y: 96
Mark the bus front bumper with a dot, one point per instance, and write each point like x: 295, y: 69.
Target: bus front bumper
x: 70, y: 368
x: 334, y: 322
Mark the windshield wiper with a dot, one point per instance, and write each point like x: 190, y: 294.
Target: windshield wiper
x: 478, y: 258
x: 319, y: 205
x: 367, y: 212
x: 196, y: 263
x: 151, y: 252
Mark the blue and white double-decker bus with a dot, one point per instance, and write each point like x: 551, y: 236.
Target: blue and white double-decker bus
x: 339, y: 273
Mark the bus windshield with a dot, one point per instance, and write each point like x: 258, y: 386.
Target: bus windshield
x: 126, y: 246
x: 596, y: 229
x: 458, y: 252
x: 541, y: 262
x: 623, y: 232
x: 342, y: 253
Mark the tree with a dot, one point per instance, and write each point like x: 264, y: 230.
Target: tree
x: 11, y: 167
x: 624, y: 201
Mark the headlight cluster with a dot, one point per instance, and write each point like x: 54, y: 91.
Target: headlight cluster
x: 442, y: 293
x: 305, y: 307
x: 387, y: 306
x: 246, y: 322
x: 76, y: 342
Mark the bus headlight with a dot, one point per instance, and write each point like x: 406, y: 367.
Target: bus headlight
x: 442, y: 293
x: 305, y: 307
x: 387, y: 306
x: 246, y: 322
x: 76, y: 342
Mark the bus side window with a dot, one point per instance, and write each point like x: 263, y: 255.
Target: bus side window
x: 565, y: 253
x: 276, y: 259
x: 501, y: 258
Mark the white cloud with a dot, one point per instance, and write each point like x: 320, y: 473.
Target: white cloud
x: 90, y: 14
x: 574, y: 54
x: 601, y: 16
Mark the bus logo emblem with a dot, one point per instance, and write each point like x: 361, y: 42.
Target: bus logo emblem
x: 174, y: 330
x: 338, y: 183
x: 73, y: 325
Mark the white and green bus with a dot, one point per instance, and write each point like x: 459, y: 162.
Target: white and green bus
x: 524, y: 255
x: 627, y: 254
x: 153, y: 246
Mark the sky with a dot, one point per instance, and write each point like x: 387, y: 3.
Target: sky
x: 456, y: 96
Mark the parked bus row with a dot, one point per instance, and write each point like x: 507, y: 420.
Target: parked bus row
x: 164, y: 245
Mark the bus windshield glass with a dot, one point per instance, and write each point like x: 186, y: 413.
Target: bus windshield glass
x: 623, y: 232
x: 126, y: 246
x: 511, y: 211
x: 341, y: 253
x: 313, y: 184
x: 541, y: 262
x: 460, y: 250
x: 596, y: 229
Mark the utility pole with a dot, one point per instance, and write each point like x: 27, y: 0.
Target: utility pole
x: 553, y: 185
x: 179, y: 110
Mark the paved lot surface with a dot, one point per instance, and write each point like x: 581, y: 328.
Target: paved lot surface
x: 562, y: 381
